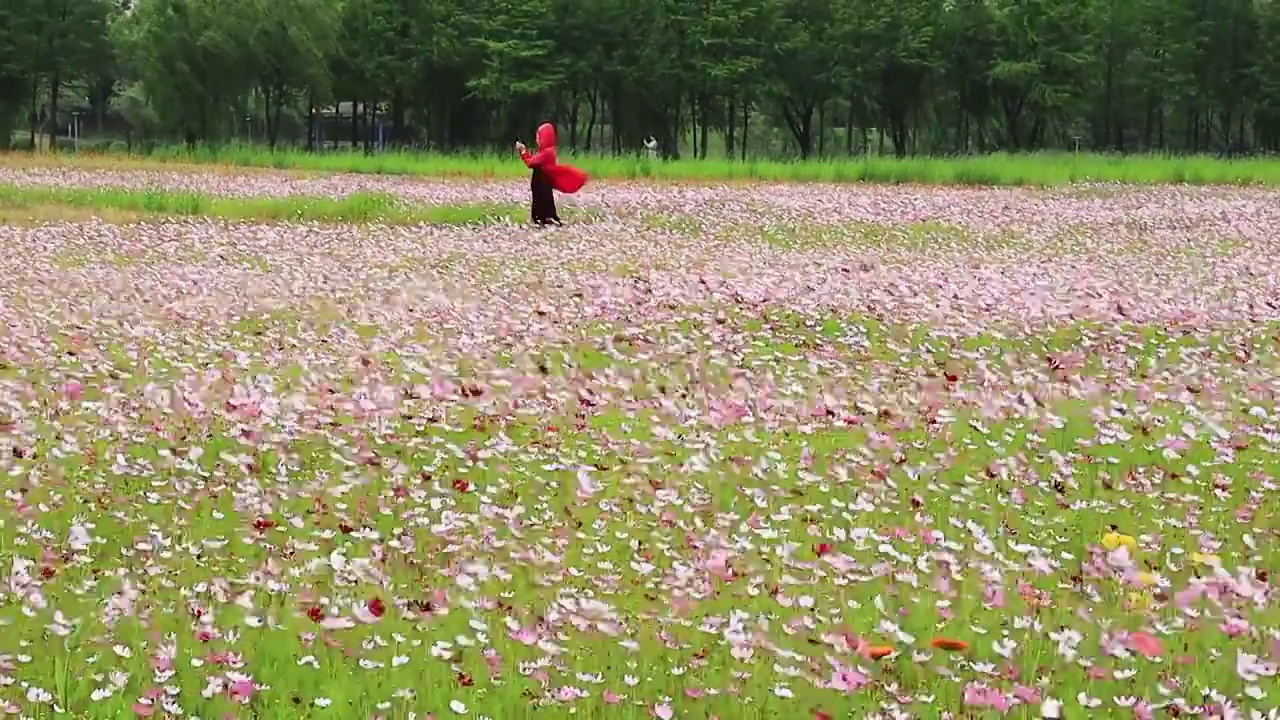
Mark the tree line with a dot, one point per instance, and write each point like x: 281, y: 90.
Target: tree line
x: 720, y: 77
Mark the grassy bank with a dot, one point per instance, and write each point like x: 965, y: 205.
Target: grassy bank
x: 39, y: 204
x: 1045, y: 169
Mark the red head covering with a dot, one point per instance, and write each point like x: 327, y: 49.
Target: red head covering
x: 546, y: 136
x: 565, y: 178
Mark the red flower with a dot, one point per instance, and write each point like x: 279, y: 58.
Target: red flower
x: 47, y: 571
x: 461, y: 485
x: 465, y: 680
x: 263, y: 523
x: 316, y: 613
x: 345, y: 528
x: 376, y: 607
x: 822, y: 549
x: 950, y: 644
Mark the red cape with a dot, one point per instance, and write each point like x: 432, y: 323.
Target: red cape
x: 565, y: 178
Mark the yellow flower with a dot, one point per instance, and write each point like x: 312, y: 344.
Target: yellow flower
x: 1147, y: 579
x: 1138, y: 601
x: 1205, y: 559
x: 1113, y: 540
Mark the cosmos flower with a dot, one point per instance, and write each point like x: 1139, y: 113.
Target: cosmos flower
x: 702, y: 446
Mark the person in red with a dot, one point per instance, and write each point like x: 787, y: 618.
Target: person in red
x: 548, y: 176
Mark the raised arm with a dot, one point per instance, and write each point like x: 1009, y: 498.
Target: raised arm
x: 546, y: 156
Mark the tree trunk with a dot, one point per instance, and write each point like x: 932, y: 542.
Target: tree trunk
x: 368, y: 127
x: 398, y: 131
x: 311, y: 121
x: 799, y: 119
x: 33, y: 122
x: 848, y: 129
x: 355, y: 125
x: 593, y: 100
x: 822, y: 128
x: 267, y: 107
x: 615, y: 113
x: 731, y: 121
x: 704, y: 117
x: 573, y: 120
x: 55, y: 85
x: 275, y: 118
x: 693, y: 125
x: 746, y: 119
x: 1148, y: 125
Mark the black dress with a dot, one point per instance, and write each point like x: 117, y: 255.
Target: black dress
x: 543, y: 210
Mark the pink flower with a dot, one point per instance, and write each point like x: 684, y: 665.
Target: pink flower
x: 241, y: 690
x: 568, y: 693
x: 587, y: 486
x: 524, y: 636
x: 143, y: 709
x: 718, y: 565
x: 1234, y: 627
x: 441, y: 388
x: 663, y: 711
x: 492, y: 660
x: 979, y: 695
x: 609, y: 698
x: 1027, y: 695
x: 1145, y: 644
x: 1184, y: 598
x: 847, y: 679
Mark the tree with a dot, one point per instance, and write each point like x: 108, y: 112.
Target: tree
x: 901, y: 76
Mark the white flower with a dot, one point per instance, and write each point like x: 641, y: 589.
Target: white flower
x: 323, y: 702
x: 458, y: 707
x: 39, y: 695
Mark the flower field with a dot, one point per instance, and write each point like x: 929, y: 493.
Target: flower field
x: 765, y: 451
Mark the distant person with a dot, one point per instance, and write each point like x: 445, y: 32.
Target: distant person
x: 548, y: 176
x: 651, y: 147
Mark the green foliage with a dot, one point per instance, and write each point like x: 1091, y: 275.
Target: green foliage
x: 993, y: 169
x: 354, y: 208
x: 798, y: 77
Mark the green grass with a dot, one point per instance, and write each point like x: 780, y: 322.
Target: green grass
x: 18, y: 202
x: 1042, y: 169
